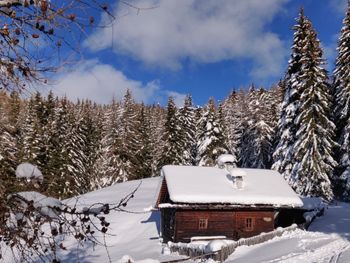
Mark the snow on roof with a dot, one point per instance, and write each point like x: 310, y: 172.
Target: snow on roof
x: 27, y: 170
x: 199, y: 185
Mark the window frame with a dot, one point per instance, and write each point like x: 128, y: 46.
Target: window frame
x: 203, y: 223
x: 249, y: 224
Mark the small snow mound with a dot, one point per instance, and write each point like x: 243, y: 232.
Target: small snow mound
x: 27, y: 170
x: 214, y: 245
x: 166, y: 250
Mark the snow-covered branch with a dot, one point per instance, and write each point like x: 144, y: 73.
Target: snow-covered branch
x: 36, y: 226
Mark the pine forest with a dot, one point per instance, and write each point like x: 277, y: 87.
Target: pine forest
x: 299, y: 127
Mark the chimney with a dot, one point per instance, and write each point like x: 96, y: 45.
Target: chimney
x: 227, y: 162
x: 238, y: 181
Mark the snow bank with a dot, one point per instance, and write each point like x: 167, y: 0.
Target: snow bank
x: 29, y: 171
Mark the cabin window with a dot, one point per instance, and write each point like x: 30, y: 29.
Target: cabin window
x: 249, y: 224
x: 203, y: 223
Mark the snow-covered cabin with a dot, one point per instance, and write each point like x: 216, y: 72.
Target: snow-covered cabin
x: 209, y: 201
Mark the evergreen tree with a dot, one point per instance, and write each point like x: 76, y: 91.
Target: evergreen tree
x: 313, y: 148
x: 106, y: 168
x: 128, y: 138
x: 144, y: 158
x: 232, y: 123
x: 262, y: 128
x: 249, y: 133
x: 173, y: 137
x: 9, y: 134
x: 186, y: 117
x: 72, y: 162
x: 57, y: 155
x: 157, y: 125
x: 32, y: 135
x: 283, y: 155
x: 87, y: 145
x: 211, y: 141
x: 341, y: 85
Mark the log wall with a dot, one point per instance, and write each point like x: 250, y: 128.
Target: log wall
x: 231, y: 224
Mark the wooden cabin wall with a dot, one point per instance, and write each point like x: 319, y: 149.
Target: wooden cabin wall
x: 219, y: 223
x: 231, y: 224
x: 262, y: 221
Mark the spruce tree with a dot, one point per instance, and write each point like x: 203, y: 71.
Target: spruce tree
x: 211, y: 142
x: 283, y: 154
x: 9, y: 134
x: 158, y: 117
x: 313, y: 148
x: 341, y: 85
x: 128, y: 138
x: 173, y: 151
x: 32, y: 134
x: 106, y: 167
x: 232, y: 123
x: 186, y: 117
x: 59, y: 129
x: 144, y: 158
x: 262, y: 128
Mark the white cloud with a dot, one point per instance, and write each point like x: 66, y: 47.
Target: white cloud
x: 101, y: 83
x: 179, y: 98
x: 339, y: 6
x: 202, y: 31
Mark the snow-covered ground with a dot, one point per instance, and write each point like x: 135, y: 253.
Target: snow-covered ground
x: 327, y: 240
x: 136, y: 234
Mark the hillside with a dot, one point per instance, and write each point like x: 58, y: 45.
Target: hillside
x: 136, y: 233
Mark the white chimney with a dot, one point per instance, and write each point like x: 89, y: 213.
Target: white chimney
x: 227, y: 162
x: 238, y: 181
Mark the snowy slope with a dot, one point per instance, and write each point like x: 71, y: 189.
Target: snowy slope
x: 136, y: 234
x: 328, y: 240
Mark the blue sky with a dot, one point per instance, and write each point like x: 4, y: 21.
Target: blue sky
x: 204, y: 48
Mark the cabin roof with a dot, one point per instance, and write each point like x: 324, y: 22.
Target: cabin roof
x: 211, y: 185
